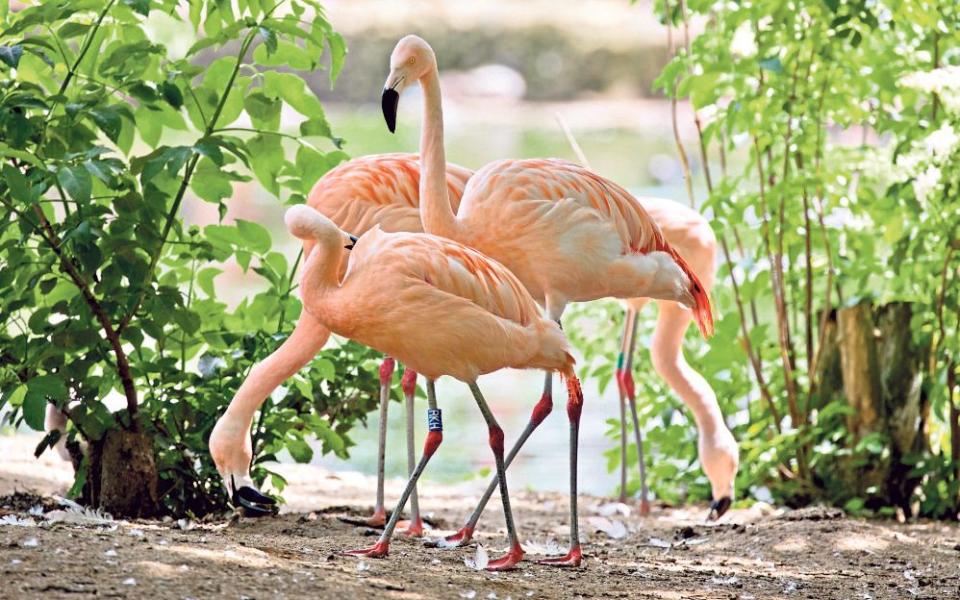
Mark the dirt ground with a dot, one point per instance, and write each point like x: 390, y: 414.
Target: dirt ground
x: 762, y: 552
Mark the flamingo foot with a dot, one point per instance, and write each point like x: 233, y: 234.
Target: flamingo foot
x: 377, y: 520
x: 718, y: 508
x: 572, y: 559
x: 378, y: 550
x: 644, y: 508
x: 414, y: 529
x: 457, y: 540
x: 509, y: 561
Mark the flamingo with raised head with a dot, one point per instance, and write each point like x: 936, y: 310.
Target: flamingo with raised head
x: 442, y: 309
x: 357, y: 195
x: 566, y: 233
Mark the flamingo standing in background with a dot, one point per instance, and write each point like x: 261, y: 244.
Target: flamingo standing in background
x: 442, y: 309
x: 373, y: 190
x: 566, y: 233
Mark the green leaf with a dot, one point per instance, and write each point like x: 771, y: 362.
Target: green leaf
x: 108, y: 120
x: 209, y: 148
x: 264, y: 111
x: 139, y: 6
x: 76, y: 181
x: 294, y: 91
x: 269, y: 39
x: 13, y: 396
x: 18, y: 185
x: 172, y: 94
x: 338, y: 53
x: 256, y: 236
x: 205, y: 280
x: 299, y: 450
x: 11, y: 55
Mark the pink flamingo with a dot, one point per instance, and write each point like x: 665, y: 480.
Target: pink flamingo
x: 691, y: 235
x: 442, y: 309
x: 374, y: 190
x: 567, y: 234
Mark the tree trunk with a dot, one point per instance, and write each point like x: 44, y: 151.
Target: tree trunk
x: 122, y: 479
x: 861, y: 371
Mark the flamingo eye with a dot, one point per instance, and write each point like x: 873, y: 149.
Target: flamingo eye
x: 412, y: 60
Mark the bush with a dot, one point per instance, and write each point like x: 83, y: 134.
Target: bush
x: 837, y: 351
x: 104, y: 293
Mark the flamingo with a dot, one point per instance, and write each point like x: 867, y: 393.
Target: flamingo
x: 373, y: 190
x: 690, y: 233
x: 442, y: 309
x: 566, y: 233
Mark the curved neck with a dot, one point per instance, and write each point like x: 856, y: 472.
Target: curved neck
x: 321, y: 275
x: 435, y: 211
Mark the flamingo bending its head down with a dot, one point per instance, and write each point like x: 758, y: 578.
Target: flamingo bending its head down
x: 442, y: 309
x: 566, y: 233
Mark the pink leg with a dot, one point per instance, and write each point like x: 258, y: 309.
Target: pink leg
x: 409, y: 386
x: 434, y: 438
x: 540, y: 412
x: 630, y: 395
x: 574, y: 557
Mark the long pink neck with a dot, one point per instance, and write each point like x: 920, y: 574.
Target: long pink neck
x: 320, y: 280
x: 435, y: 211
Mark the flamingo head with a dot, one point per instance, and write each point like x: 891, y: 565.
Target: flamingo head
x: 307, y: 223
x: 411, y: 60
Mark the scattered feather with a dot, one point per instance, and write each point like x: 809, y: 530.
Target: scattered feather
x: 16, y: 521
x: 78, y: 515
x: 129, y: 581
x: 111, y: 552
x: 185, y: 524
x: 15, y: 561
x: 435, y: 561
x: 612, y: 508
x: 362, y: 567
x: 480, y: 560
x: 30, y: 543
x: 548, y: 548
x: 36, y: 510
x: 659, y: 543
x: 614, y: 529
x: 135, y: 533
x: 732, y: 580
x: 492, y: 596
x: 468, y: 594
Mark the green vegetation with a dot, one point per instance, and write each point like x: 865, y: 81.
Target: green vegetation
x: 838, y: 343
x: 104, y: 293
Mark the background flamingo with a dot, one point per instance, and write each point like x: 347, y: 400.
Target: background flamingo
x: 565, y: 232
x: 441, y: 308
x: 373, y: 190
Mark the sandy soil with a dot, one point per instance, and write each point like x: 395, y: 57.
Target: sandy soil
x: 757, y: 553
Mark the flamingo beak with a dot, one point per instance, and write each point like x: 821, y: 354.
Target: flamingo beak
x: 389, y: 102
x: 353, y: 242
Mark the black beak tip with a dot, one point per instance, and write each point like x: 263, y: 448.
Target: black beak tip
x: 389, y: 102
x: 718, y: 508
x: 353, y: 242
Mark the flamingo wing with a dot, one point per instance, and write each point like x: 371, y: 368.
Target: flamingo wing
x: 453, y: 270
x: 380, y: 190
x: 579, y: 194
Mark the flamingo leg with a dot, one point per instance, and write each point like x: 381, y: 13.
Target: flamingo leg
x: 409, y: 385
x: 386, y: 376
x: 574, y: 557
x: 631, y: 397
x: 434, y: 438
x: 624, y: 343
x: 540, y: 412
x: 515, y: 555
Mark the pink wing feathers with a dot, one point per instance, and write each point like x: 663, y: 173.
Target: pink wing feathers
x: 556, y: 179
x: 380, y: 190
